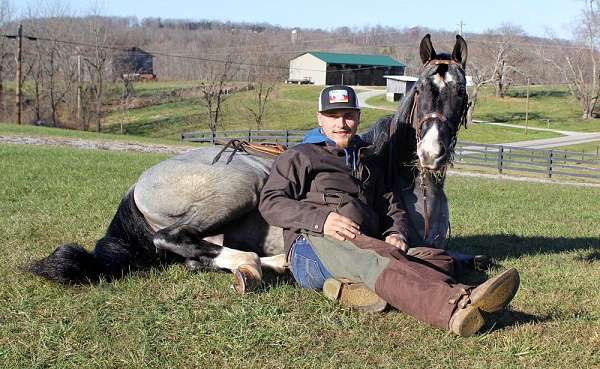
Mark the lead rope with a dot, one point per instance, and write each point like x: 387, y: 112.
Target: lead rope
x: 425, y: 208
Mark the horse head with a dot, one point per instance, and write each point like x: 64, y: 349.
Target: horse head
x: 439, y: 104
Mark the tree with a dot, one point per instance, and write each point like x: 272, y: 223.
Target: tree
x: 579, y: 67
x: 500, y: 52
x: 214, y: 89
x: 6, y: 17
x: 97, y: 60
x: 263, y: 79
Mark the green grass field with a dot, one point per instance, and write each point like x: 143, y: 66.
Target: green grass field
x: 553, y: 103
x: 170, y: 318
x: 165, y: 113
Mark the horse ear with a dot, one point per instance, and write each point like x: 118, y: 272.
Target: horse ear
x: 460, y: 52
x: 426, y: 49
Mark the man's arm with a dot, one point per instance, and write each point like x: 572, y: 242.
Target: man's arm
x: 280, y: 203
x: 394, y: 220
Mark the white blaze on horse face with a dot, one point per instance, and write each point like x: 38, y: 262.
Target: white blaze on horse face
x: 430, y: 147
x: 440, y: 81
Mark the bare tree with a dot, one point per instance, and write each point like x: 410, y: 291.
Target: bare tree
x: 262, y: 78
x: 6, y: 16
x: 480, y: 76
x: 579, y: 67
x: 97, y: 60
x: 214, y: 89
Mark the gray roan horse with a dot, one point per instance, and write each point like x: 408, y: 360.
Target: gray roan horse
x: 190, y: 210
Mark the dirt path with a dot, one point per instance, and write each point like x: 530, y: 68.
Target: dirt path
x: 94, y: 144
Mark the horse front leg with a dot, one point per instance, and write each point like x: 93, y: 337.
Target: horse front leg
x: 202, y: 255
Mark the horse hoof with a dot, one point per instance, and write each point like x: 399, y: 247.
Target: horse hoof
x: 245, y: 279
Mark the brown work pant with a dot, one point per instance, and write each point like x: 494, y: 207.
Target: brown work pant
x: 418, y: 284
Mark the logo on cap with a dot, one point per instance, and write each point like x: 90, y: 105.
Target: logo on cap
x: 338, y: 96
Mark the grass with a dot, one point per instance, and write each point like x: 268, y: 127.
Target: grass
x: 588, y: 148
x: 169, y: 318
x: 546, y: 102
x: 291, y: 107
x: 481, y: 133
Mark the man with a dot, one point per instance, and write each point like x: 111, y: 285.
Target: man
x: 330, y: 197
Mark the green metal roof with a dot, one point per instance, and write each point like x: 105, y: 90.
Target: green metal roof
x: 362, y: 59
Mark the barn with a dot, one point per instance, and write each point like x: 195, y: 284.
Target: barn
x: 325, y: 68
x: 134, y: 63
x: 398, y: 86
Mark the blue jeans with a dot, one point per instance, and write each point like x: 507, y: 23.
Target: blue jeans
x: 307, y: 269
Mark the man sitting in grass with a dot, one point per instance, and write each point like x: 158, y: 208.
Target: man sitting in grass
x: 329, y: 196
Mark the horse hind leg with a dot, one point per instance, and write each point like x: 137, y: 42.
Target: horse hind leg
x: 202, y: 255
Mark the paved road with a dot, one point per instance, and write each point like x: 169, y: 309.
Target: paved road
x: 363, y: 96
x: 557, y: 141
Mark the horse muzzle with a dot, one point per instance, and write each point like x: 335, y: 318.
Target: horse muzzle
x: 432, y: 151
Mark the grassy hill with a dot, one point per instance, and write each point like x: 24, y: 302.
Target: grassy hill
x: 170, y: 318
x: 163, y: 109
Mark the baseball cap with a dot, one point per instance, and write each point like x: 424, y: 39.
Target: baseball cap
x: 338, y: 97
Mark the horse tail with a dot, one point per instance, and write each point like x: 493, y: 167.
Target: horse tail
x: 126, y: 246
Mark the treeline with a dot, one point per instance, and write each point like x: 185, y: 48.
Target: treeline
x: 69, y: 74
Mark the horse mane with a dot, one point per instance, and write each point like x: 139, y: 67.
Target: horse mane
x: 378, y: 135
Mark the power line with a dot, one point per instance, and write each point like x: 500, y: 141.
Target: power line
x: 195, y: 58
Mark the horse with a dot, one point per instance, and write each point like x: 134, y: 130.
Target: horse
x: 203, y: 212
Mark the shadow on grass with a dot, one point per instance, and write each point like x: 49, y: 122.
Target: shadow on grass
x: 508, y: 117
x: 509, y: 318
x: 502, y: 247
x: 537, y: 93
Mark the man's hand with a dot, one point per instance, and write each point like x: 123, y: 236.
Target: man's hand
x: 340, y: 227
x: 396, y: 240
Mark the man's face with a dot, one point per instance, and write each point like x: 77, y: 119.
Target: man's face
x: 339, y: 125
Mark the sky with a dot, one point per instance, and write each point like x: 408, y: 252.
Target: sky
x: 536, y: 17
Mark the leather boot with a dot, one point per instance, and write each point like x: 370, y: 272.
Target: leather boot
x: 491, y: 296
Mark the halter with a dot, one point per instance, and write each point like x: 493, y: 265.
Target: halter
x: 427, y: 117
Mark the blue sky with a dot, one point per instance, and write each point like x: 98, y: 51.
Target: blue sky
x: 535, y: 16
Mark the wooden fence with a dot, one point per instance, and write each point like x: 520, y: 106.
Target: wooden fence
x: 284, y: 137
x: 548, y: 163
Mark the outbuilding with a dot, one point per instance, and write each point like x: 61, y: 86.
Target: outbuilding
x: 134, y: 64
x: 325, y: 68
x: 398, y: 86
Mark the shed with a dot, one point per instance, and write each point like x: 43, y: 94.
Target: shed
x: 325, y: 68
x: 398, y: 86
x: 134, y: 63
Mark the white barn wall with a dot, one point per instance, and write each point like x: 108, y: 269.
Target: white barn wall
x: 308, y: 66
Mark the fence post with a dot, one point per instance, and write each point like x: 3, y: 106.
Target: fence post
x: 287, y: 138
x: 181, y: 135
x: 549, y: 165
x: 249, y: 135
x: 213, y: 137
x: 500, y: 158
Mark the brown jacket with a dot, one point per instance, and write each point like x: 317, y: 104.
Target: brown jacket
x: 309, y: 181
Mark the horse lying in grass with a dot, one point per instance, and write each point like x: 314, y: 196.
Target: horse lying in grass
x: 204, y: 214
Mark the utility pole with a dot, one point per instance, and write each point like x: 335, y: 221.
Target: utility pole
x: 460, y: 27
x: 18, y: 77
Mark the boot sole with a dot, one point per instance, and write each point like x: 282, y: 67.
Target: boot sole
x: 466, y: 322
x: 495, y: 293
x: 355, y: 295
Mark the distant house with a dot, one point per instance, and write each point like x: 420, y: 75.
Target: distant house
x: 398, y: 86
x: 325, y: 68
x: 134, y: 64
